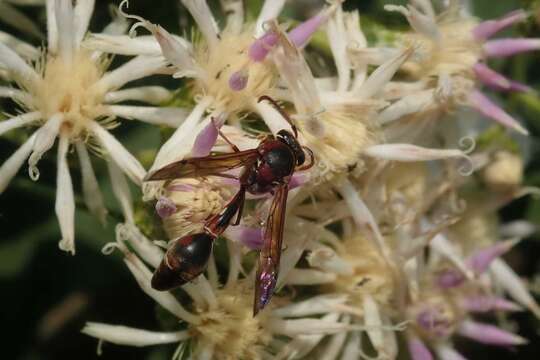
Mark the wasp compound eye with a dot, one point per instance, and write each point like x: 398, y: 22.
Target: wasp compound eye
x: 186, y: 259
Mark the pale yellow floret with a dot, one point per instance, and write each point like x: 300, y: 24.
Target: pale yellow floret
x: 410, y: 180
x: 455, y: 53
x: 206, y: 198
x: 346, y: 134
x: 230, y: 55
x: 231, y: 327
x: 504, y: 172
x: 371, y: 275
x: 476, y: 229
x: 68, y: 89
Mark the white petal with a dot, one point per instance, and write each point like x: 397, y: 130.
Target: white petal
x: 123, y: 335
x: 66, y: 29
x: 65, y: 202
x: 15, y: 95
x: 15, y: 65
x: 125, y: 161
x: 45, y: 138
x: 234, y: 9
x: 337, y: 38
x: 92, y: 194
x: 123, y: 44
x: 137, y: 68
x: 181, y: 142
x: 146, y: 249
x: 320, y: 304
x: 205, y: 20
x: 305, y: 326
x: 22, y: 48
x: 326, y: 259
x: 407, y: 105
x: 357, y: 40
x: 382, y: 75
x: 441, y: 245
x: 18, y: 121
x: 271, y: 116
x: 352, y: 351
x: 10, y: 167
x: 164, y: 298
x: 421, y: 23
x: 235, y: 262
x: 510, y: 281
x: 149, y: 94
x: 270, y: 10
x: 119, y: 25
x: 309, y: 277
x: 121, y: 191
x: 372, y: 320
x: 335, y: 344
x: 82, y: 12
x: 178, y: 53
x: 168, y: 116
x: 408, y: 152
x: 18, y: 20
x: 52, y: 28
x: 426, y: 6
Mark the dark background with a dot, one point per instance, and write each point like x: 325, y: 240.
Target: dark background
x: 47, y: 295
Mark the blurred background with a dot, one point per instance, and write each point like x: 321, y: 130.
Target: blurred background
x: 47, y: 295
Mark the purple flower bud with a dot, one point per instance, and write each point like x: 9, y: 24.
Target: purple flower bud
x: 489, y: 334
x: 262, y: 46
x: 449, y: 278
x: 165, y: 207
x: 488, y: 28
x: 479, y: 262
x: 419, y: 350
x: 486, y: 107
x: 509, y: 47
x: 434, y: 321
x: 490, y: 77
x: 206, y: 139
x: 238, y: 80
x: 248, y: 236
x: 301, y: 34
x: 481, y: 304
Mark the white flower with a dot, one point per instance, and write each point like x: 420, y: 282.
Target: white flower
x: 67, y: 93
x: 219, y: 322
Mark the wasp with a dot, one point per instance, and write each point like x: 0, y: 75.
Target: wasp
x: 266, y: 169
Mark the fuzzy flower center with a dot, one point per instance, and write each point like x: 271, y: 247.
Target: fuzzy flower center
x: 230, y: 57
x: 370, y: 275
x: 68, y: 89
x: 231, y: 327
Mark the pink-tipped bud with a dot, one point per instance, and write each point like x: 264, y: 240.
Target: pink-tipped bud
x: 301, y: 34
x: 482, y: 304
x: 262, y: 46
x: 509, y: 47
x: 479, y: 262
x: 247, y: 236
x: 238, y: 80
x: 449, y: 278
x: 489, y: 334
x: 488, y: 108
x: 165, y: 207
x: 497, y: 81
x: 206, y: 139
x: 488, y: 28
x: 419, y: 350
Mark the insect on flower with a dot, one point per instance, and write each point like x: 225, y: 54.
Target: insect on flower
x: 266, y: 169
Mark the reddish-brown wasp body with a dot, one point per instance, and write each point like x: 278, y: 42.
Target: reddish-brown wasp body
x: 266, y: 169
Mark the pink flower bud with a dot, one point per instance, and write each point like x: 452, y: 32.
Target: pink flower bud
x: 165, y: 207
x: 509, y: 47
x: 489, y: 334
x: 419, y: 350
x: 488, y: 28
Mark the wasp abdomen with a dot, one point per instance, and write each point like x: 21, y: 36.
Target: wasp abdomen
x: 184, y: 261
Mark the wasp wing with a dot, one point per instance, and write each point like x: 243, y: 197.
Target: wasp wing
x: 204, y: 166
x: 270, y: 254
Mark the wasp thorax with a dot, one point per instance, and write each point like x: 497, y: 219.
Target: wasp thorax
x: 231, y: 327
x: 195, y: 201
x: 69, y: 89
x: 229, y: 60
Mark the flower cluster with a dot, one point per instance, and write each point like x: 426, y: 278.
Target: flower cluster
x: 391, y: 234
